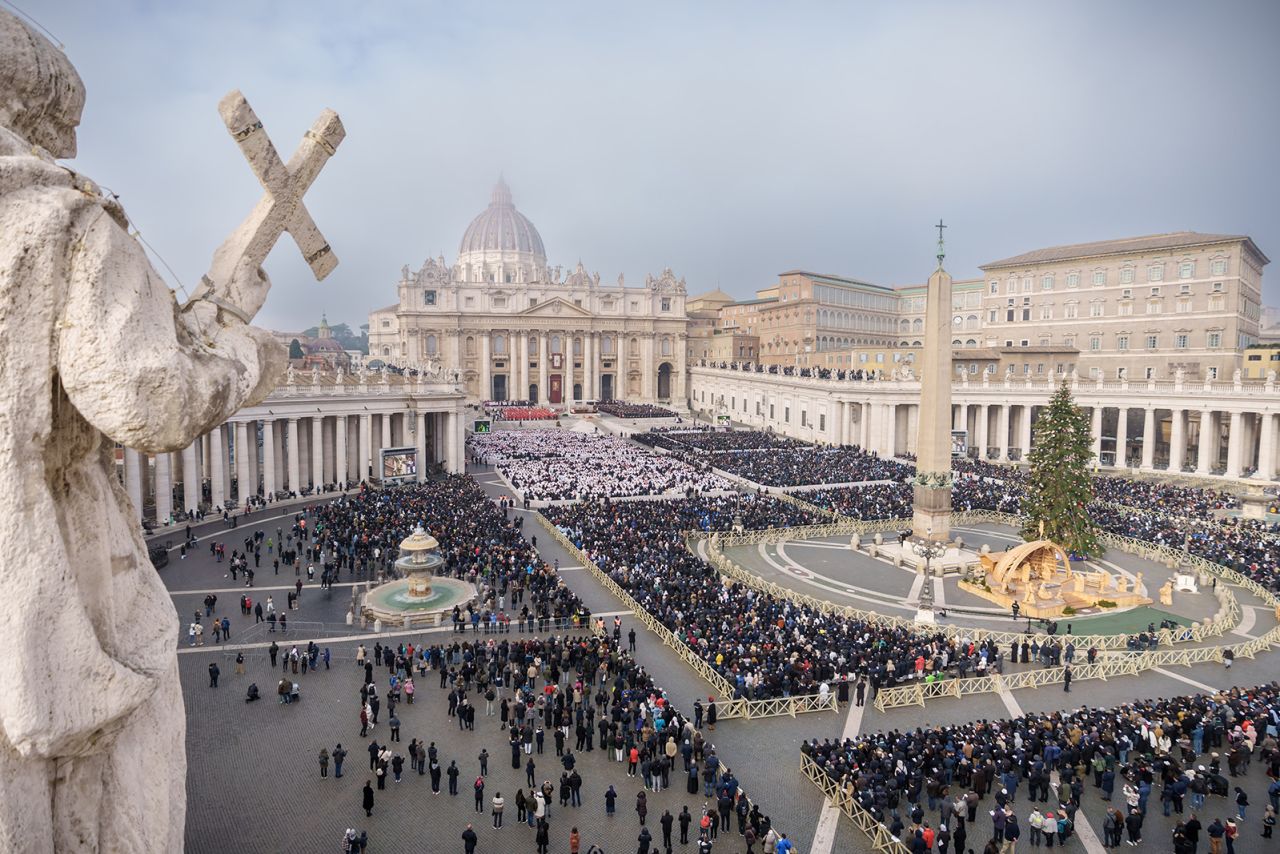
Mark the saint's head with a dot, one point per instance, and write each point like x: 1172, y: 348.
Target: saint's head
x: 41, y: 95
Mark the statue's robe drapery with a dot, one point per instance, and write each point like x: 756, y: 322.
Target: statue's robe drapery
x: 93, y: 350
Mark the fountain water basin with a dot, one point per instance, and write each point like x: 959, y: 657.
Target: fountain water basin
x: 419, y: 594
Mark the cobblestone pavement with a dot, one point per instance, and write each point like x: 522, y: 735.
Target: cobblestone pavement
x: 254, y: 785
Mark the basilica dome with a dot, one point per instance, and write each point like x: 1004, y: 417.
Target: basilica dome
x: 500, y: 228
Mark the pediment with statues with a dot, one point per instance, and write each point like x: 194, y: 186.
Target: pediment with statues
x: 665, y: 283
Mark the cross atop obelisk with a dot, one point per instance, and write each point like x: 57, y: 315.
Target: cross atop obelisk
x: 932, y: 506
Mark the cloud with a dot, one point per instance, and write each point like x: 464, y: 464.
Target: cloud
x: 728, y: 141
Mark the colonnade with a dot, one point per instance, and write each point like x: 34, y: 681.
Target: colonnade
x: 298, y: 444
x: 1224, y: 429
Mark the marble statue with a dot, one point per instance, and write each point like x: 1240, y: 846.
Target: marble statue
x: 315, y: 375
x: 290, y: 377
x: 95, y: 349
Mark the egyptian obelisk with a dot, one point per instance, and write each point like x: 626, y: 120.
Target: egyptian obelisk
x: 931, y: 518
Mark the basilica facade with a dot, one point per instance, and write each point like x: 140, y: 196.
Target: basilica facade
x: 519, y: 329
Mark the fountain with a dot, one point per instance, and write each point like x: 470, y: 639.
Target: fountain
x: 418, y: 594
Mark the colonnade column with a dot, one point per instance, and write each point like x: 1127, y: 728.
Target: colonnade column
x: 317, y: 450
x: 241, y: 439
x: 343, y: 468
x: 1024, y: 431
x: 1095, y: 429
x: 270, y: 486
x: 1002, y: 433
x: 913, y: 424
x: 836, y: 424
x: 1122, y: 436
x: 420, y: 420
x: 1235, y: 444
x: 1149, y: 438
x: 217, y: 465
x: 868, y: 413
x: 190, y: 478
x: 295, y: 467
x: 1207, y: 443
x: 1267, y: 446
x: 164, y: 489
x: 1177, y: 440
x: 133, y: 479
x: 365, y: 455
x: 984, y: 430
x: 544, y: 371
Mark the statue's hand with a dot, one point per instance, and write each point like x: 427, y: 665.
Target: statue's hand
x: 247, y: 290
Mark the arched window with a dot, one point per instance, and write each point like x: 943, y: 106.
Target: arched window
x: 666, y: 346
x: 577, y: 346
x: 471, y: 346
x: 555, y: 344
x: 606, y: 345
x: 533, y: 345
x: 386, y: 351
x: 635, y: 346
x: 431, y: 345
x: 499, y: 344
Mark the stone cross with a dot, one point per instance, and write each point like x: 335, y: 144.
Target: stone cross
x: 281, y: 208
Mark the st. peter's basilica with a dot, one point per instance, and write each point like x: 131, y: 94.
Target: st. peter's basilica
x: 519, y: 329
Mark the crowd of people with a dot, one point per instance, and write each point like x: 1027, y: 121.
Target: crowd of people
x: 707, y: 438
x: 622, y: 409
x: 1029, y: 775
x: 563, y: 695
x: 562, y: 465
x: 765, y: 646
x: 519, y: 411
x: 856, y: 374
x: 808, y: 465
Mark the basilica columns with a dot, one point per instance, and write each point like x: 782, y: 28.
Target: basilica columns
x: 486, y: 370
x: 365, y: 456
x: 648, y: 373
x: 544, y: 371
x: 520, y: 369
x: 984, y: 429
x: 588, y: 365
x: 1024, y: 432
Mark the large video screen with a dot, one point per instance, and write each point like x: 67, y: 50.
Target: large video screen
x: 399, y: 464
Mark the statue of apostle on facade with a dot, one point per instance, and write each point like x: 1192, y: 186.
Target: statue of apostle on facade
x: 94, y: 350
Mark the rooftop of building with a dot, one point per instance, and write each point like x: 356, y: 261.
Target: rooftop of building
x: 828, y: 279
x: 1123, y: 246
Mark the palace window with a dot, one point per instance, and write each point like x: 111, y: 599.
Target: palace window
x: 1095, y: 342
x: 1073, y: 280
x: 1218, y: 267
x: 1122, y: 342
x: 429, y: 297
x: 1155, y: 273
x: 1214, y: 340
x: 1187, y: 269
x: 1046, y: 283
x: 666, y: 303
x: 1153, y: 342
x: 431, y: 345
x: 1126, y: 275
x: 1180, y: 341
x: 1099, y: 278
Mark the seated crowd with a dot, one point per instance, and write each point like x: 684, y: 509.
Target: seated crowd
x: 924, y: 783
x: 808, y: 465
x: 622, y: 409
x: 765, y: 646
x: 560, y: 465
x: 714, y: 439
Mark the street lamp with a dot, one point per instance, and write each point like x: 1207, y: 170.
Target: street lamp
x: 927, y: 548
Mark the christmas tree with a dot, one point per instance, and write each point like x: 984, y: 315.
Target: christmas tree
x: 1059, y: 488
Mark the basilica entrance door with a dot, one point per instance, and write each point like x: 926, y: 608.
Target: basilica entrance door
x: 556, y: 389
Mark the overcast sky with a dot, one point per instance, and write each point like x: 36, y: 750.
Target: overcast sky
x: 729, y: 141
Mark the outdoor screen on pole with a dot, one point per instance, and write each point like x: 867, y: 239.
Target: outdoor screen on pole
x: 399, y: 464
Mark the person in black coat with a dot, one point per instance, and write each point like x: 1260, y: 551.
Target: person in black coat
x: 666, y: 821
x: 368, y: 798
x: 469, y: 840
